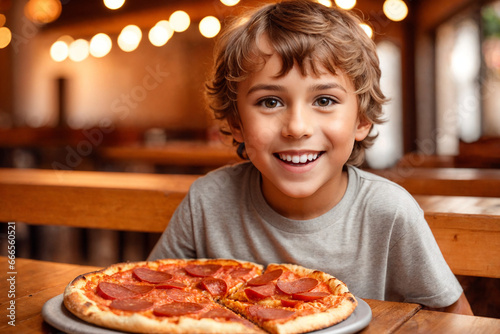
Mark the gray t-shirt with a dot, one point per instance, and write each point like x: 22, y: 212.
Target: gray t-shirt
x: 375, y: 239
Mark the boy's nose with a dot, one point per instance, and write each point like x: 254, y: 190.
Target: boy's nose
x: 297, y: 123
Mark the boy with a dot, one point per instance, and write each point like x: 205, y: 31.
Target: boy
x: 298, y: 85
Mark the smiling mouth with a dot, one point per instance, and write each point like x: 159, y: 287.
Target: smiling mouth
x: 298, y: 159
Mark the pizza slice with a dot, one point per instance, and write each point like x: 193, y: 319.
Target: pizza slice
x: 292, y: 299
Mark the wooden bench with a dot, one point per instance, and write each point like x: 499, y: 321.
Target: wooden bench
x: 445, y: 181
x: 174, y: 153
x: 467, y: 229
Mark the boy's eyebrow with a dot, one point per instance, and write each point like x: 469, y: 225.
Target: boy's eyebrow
x: 279, y: 88
x: 255, y: 88
x: 326, y: 86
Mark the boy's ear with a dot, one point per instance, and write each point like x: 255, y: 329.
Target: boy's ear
x: 363, y: 129
x: 236, y: 132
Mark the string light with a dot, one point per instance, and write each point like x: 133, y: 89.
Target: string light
x: 345, y: 4
x: 179, y: 21
x: 100, y: 45
x: 160, y: 33
x: 79, y: 50
x: 230, y: 3
x: 114, y: 4
x: 129, y: 38
x: 367, y: 29
x: 59, y: 51
x: 395, y: 10
x: 5, y: 37
x: 209, y: 26
x: 42, y: 11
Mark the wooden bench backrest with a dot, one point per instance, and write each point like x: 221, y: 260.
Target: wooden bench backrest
x: 467, y: 229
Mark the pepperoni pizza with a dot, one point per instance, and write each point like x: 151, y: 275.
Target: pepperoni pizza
x: 209, y: 296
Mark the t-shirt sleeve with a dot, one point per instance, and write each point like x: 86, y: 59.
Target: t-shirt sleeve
x: 177, y: 239
x: 417, y: 270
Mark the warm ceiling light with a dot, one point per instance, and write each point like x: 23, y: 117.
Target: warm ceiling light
x: 229, y: 3
x: 395, y: 10
x: 42, y: 11
x: 179, y: 21
x: 79, y: 50
x: 209, y: 26
x: 345, y: 4
x: 59, y: 51
x: 113, y: 4
x: 100, y: 45
x: 5, y: 37
x: 129, y: 38
x: 367, y: 29
x: 3, y: 19
x: 160, y: 33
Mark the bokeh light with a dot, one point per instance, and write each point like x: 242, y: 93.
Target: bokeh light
x: 179, y: 21
x: 79, y: 50
x: 345, y: 4
x: 229, y: 3
x: 395, y: 10
x: 59, y: 51
x: 5, y: 37
x: 113, y: 4
x: 209, y: 26
x: 160, y: 33
x: 129, y: 38
x: 100, y: 45
x: 367, y: 29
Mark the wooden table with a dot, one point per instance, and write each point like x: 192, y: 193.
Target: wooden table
x: 445, y: 181
x: 38, y: 281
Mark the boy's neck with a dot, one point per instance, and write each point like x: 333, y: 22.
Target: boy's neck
x: 310, y: 207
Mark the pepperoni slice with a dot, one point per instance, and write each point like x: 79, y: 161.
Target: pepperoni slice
x: 202, y: 270
x: 141, y: 289
x: 176, y: 309
x: 266, y: 278
x: 239, y: 272
x: 300, y: 285
x: 132, y: 305
x: 170, y: 285
x: 261, y: 291
x: 112, y: 291
x: 216, y: 286
x: 309, y: 296
x: 265, y: 313
x: 178, y: 295
x: 290, y: 302
x: 151, y: 276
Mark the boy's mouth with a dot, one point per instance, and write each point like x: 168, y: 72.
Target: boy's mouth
x: 298, y: 159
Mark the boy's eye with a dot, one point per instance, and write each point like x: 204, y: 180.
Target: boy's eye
x: 270, y: 103
x: 324, y: 101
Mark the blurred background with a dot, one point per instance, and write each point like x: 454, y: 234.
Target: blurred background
x: 117, y: 86
x: 79, y: 78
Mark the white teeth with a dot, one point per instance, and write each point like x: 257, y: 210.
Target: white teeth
x: 298, y: 158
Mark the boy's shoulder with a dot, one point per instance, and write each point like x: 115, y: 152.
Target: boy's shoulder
x: 225, y: 178
x: 381, y: 190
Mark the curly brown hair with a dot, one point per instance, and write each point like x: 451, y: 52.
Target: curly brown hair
x: 303, y: 33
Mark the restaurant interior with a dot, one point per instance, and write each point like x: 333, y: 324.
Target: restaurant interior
x: 108, y: 97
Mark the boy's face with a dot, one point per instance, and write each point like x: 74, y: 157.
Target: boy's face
x: 299, y: 132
